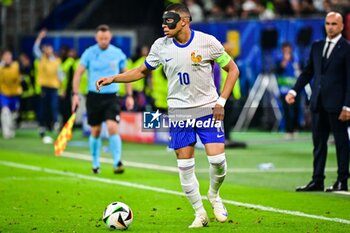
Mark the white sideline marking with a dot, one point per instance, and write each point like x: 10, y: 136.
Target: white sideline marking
x: 167, y: 191
x: 175, y: 169
x: 22, y: 178
x: 342, y: 192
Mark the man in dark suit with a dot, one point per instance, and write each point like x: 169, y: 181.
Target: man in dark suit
x: 328, y: 70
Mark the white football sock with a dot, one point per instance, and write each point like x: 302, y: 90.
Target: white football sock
x: 190, y: 183
x: 6, y: 122
x: 217, y: 172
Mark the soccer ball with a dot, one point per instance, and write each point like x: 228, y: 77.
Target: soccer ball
x: 117, y: 215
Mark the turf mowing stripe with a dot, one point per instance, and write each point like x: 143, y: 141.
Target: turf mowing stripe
x: 126, y: 163
x: 175, y: 169
x: 167, y: 191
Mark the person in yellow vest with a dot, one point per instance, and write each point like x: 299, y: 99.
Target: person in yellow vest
x: 36, y: 78
x: 139, y: 86
x: 159, y: 90
x: 29, y: 97
x: 10, y: 91
x: 50, y: 76
x: 67, y: 56
x: 37, y: 88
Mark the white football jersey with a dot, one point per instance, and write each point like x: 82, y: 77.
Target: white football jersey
x: 188, y: 68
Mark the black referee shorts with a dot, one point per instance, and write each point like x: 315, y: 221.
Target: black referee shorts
x: 101, y: 107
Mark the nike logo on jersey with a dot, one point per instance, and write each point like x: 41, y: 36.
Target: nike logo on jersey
x: 169, y: 59
x: 220, y: 136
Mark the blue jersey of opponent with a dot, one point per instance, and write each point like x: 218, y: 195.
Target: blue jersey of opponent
x: 101, y: 63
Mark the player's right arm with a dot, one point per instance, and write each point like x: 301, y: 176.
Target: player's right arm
x: 76, y: 83
x: 126, y: 77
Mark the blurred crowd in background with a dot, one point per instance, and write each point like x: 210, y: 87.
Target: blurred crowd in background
x: 213, y: 10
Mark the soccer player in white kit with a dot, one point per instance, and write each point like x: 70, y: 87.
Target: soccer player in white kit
x: 187, y: 57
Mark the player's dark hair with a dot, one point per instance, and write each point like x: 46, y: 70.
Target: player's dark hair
x: 103, y: 28
x: 178, y: 8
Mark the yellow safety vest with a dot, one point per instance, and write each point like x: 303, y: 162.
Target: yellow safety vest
x: 66, y: 66
x: 48, y: 72
x: 10, y: 80
x: 159, y: 88
x: 139, y: 85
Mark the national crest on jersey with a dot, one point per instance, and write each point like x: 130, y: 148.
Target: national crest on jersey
x: 196, y: 59
x: 188, y: 68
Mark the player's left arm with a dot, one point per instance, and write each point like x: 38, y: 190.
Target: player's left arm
x: 225, y: 62
x: 232, y: 76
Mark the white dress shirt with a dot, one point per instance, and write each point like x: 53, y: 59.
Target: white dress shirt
x: 333, y: 41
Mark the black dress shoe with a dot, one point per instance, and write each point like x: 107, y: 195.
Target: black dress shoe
x: 338, y: 186
x: 310, y: 187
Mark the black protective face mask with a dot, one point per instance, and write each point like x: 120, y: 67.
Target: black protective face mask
x: 171, y: 15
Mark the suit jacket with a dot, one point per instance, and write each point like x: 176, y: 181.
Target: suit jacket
x: 330, y: 82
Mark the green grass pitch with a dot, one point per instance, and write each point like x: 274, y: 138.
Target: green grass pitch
x: 43, y: 193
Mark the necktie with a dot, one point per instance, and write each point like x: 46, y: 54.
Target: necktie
x: 327, y: 49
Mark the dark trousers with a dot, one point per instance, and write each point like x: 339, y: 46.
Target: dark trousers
x: 322, y: 124
x: 49, y: 107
